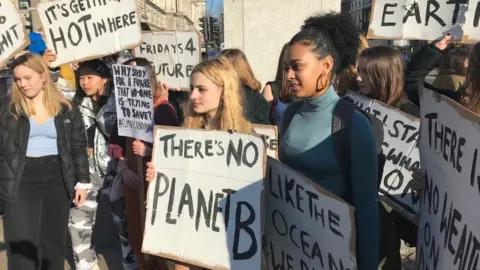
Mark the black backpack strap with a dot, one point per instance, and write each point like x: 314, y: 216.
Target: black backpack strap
x: 287, y: 117
x: 341, y: 130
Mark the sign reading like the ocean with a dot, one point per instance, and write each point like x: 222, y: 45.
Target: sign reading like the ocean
x: 307, y: 227
x: 204, y: 207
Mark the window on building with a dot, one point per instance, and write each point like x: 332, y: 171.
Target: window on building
x: 23, y: 4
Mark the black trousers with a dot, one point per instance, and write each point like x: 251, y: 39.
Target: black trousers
x: 35, y: 225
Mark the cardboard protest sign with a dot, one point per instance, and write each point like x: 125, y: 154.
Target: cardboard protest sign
x: 13, y: 35
x: 270, y: 137
x: 400, y: 147
x: 448, y: 233
x: 173, y: 54
x: 205, y: 206
x: 134, y: 101
x: 79, y: 30
x: 299, y: 213
x: 471, y: 31
x: 420, y: 19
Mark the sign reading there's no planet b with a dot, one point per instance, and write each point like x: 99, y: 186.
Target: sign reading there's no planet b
x: 80, y: 30
x: 205, y: 205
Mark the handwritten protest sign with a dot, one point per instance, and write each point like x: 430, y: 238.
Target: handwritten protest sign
x: 421, y: 19
x: 401, y: 151
x: 174, y: 54
x: 13, y: 36
x: 307, y: 227
x: 204, y: 207
x: 270, y: 137
x: 134, y: 101
x: 79, y: 30
x: 471, y: 29
x: 448, y: 233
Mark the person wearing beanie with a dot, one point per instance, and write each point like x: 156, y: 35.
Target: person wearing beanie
x: 96, y: 101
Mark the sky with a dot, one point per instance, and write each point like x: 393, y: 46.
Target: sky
x: 214, y: 8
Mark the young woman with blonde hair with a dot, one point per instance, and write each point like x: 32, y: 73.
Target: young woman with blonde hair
x: 214, y: 104
x: 256, y: 107
x: 43, y: 165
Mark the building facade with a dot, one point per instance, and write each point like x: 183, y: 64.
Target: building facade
x: 360, y: 11
x: 182, y: 15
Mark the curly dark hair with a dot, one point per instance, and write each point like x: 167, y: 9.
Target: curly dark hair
x: 333, y: 34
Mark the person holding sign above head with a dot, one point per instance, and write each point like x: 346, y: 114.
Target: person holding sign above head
x: 256, y: 107
x: 215, y: 104
x: 43, y: 165
x: 307, y: 141
x: 469, y: 98
x: 127, y: 151
x: 96, y: 101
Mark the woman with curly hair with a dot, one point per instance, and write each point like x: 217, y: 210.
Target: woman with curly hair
x: 306, y: 139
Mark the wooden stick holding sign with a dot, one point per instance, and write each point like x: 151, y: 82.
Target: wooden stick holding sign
x: 205, y: 206
x: 143, y: 202
x: 13, y: 35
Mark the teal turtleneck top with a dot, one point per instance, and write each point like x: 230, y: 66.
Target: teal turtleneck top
x: 308, y: 148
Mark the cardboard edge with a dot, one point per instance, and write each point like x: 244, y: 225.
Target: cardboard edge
x: 275, y: 129
x: 407, y: 215
x: 370, y: 32
x: 460, y: 110
x: 182, y: 260
x: 466, y: 39
x: 25, y: 43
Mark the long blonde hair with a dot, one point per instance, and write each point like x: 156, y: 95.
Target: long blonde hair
x: 242, y: 66
x: 53, y: 99
x: 230, y: 111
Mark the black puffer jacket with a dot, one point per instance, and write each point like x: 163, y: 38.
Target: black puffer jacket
x: 72, y: 149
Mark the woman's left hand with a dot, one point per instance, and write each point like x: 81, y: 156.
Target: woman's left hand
x: 141, y: 149
x: 80, y: 196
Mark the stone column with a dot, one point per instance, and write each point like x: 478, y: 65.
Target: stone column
x: 270, y: 24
